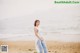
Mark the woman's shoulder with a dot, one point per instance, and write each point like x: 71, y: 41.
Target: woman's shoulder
x: 35, y: 28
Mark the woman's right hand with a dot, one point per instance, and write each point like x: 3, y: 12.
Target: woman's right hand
x: 41, y: 38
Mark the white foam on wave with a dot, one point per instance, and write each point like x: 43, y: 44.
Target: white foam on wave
x: 51, y: 37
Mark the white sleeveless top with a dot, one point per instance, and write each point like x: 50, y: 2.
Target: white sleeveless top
x: 40, y: 33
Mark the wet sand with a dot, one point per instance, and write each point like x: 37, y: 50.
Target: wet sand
x: 53, y: 47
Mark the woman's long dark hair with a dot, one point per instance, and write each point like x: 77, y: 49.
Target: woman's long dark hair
x: 36, y: 22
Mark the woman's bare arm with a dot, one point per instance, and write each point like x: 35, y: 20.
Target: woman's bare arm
x: 36, y: 33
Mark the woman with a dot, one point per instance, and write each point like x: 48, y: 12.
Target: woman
x: 40, y: 44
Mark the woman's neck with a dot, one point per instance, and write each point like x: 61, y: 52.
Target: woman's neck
x: 36, y: 26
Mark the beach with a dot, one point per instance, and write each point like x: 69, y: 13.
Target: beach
x: 60, y: 25
x: 53, y: 46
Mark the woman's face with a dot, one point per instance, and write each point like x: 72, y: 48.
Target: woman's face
x: 37, y: 23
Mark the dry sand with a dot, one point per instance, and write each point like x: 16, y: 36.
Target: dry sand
x: 53, y: 47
